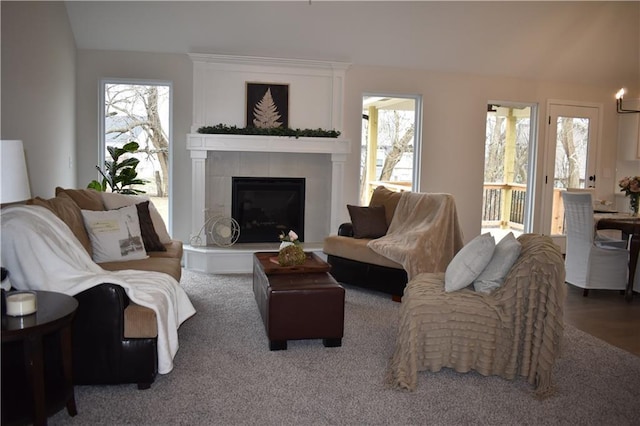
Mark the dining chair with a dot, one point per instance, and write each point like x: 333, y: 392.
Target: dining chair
x: 592, y: 261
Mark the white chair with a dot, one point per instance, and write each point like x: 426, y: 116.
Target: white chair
x: 591, y: 261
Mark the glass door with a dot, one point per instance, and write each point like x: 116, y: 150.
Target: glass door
x: 570, y: 163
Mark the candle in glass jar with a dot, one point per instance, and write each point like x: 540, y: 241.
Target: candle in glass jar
x: 21, y: 303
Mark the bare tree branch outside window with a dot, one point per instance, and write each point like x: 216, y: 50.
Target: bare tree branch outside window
x: 133, y: 113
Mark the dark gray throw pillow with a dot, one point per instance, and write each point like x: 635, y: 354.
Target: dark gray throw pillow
x: 368, y: 222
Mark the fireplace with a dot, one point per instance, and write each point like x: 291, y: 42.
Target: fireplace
x: 266, y: 207
x: 216, y: 159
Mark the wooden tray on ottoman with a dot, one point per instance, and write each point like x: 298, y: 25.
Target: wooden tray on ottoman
x: 313, y: 263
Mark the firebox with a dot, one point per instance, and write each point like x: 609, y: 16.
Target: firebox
x: 266, y: 207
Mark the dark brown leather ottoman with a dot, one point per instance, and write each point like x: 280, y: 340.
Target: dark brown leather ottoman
x: 303, y: 302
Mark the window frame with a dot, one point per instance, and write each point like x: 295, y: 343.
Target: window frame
x: 101, y: 128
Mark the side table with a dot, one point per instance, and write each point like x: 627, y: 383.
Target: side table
x: 32, y: 391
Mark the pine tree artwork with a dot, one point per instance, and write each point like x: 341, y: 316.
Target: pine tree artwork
x: 266, y: 113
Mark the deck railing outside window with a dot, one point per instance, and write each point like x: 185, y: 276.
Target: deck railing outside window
x: 502, y: 205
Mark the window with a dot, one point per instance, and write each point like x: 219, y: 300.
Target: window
x: 390, y: 154
x: 135, y: 111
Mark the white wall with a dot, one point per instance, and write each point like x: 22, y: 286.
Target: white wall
x: 92, y: 66
x: 315, y: 90
x: 453, y: 137
x: 453, y: 128
x: 38, y: 91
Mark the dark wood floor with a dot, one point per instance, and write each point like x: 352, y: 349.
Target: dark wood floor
x: 605, y: 315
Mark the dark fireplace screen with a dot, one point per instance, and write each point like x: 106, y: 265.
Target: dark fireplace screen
x: 267, y: 207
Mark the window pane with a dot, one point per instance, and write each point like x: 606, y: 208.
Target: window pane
x: 388, y: 144
x: 140, y: 113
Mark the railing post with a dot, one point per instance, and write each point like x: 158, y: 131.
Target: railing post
x: 557, y: 213
x: 505, y: 210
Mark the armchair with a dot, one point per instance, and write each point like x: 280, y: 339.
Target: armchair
x: 515, y: 330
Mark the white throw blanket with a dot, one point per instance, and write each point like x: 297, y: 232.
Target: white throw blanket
x: 41, y: 253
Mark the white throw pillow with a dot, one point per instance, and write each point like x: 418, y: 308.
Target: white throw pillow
x: 469, y: 262
x: 115, y: 234
x: 114, y: 200
x: 504, y: 256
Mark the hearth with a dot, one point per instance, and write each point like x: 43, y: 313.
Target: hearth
x: 265, y: 207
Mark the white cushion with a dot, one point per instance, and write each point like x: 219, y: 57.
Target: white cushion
x: 114, y: 200
x: 504, y: 256
x: 469, y: 262
x: 115, y: 234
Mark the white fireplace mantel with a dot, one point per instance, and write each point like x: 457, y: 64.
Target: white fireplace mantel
x: 254, y: 143
x: 200, y: 144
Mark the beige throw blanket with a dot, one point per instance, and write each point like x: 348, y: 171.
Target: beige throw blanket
x: 424, y: 234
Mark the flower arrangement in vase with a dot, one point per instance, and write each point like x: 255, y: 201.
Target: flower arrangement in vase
x: 630, y: 185
x: 291, y: 252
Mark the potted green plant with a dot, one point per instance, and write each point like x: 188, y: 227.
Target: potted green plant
x: 119, y: 175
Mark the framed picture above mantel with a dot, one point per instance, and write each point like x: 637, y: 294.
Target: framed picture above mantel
x: 267, y: 105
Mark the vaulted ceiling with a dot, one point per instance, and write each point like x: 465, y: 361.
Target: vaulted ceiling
x: 584, y: 42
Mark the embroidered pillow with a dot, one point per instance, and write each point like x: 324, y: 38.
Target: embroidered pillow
x: 115, y: 234
x: 368, y: 222
x: 469, y: 262
x: 505, y: 255
x: 113, y: 200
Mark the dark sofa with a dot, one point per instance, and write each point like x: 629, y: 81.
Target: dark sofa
x: 353, y: 263
x: 366, y: 275
x: 101, y: 352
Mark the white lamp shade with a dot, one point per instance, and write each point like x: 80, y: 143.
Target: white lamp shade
x: 13, y: 173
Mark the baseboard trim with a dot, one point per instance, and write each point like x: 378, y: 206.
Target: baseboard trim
x: 237, y: 259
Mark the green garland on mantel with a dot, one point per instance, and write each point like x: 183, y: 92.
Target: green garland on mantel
x: 221, y: 129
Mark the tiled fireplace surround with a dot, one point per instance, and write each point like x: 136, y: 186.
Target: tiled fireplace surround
x: 216, y: 159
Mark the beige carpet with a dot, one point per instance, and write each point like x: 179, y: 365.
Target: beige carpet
x: 225, y: 375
